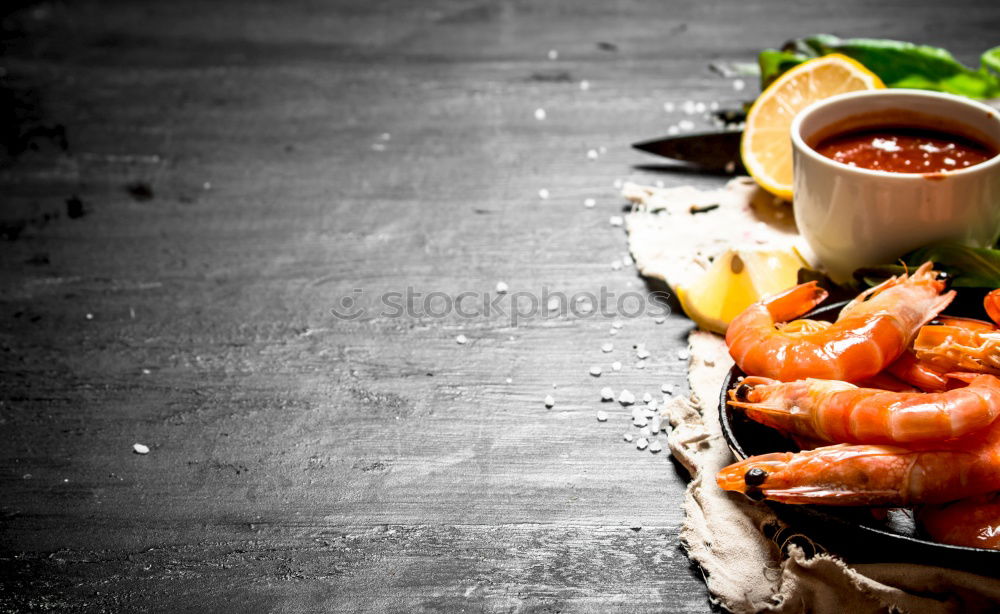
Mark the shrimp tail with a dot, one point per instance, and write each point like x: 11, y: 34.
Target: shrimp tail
x: 795, y: 301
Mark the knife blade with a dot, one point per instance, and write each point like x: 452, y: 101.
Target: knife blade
x: 708, y: 150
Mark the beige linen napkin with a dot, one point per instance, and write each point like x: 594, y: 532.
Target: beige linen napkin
x: 725, y: 533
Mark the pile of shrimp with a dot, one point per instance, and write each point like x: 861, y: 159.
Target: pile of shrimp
x: 892, y: 404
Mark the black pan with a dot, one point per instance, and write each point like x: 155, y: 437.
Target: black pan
x: 854, y: 533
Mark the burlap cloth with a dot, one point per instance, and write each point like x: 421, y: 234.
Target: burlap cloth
x: 725, y: 533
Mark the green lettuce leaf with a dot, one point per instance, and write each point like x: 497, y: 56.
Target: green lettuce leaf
x: 897, y: 63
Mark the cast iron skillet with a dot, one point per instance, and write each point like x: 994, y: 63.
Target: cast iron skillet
x: 854, y: 533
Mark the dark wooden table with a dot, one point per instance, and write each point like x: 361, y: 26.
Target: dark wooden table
x: 189, y: 188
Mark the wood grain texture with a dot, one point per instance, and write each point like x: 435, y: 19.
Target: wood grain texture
x: 232, y: 184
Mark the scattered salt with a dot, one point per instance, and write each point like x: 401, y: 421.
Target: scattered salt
x: 642, y: 443
x: 89, y: 316
x: 613, y: 332
x: 617, y: 324
x: 683, y: 355
x: 647, y: 398
x: 616, y: 366
x: 668, y: 107
x: 685, y: 125
x: 553, y: 54
x: 667, y: 388
x: 502, y: 287
x: 616, y: 265
x: 628, y: 437
x: 602, y: 416
x: 549, y: 401
x: 659, y: 320
x: 616, y: 220
x: 543, y: 193
x: 585, y: 85
x: 461, y: 339
x: 655, y: 423
x: 607, y: 394
x: 642, y: 353
x: 592, y: 154
x: 540, y: 114
x: 553, y: 304
x: 738, y: 85
x: 139, y: 448
x: 655, y: 447
x: 641, y: 364
x: 509, y: 380
x: 589, y: 203
x: 626, y: 398
x: 640, y: 421
x: 672, y: 130
x: 608, y: 347
x: 595, y: 371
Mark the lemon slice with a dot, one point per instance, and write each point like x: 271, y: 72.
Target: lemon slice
x: 766, y: 147
x: 737, y: 279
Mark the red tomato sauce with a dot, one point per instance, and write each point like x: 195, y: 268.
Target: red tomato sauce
x: 905, y: 150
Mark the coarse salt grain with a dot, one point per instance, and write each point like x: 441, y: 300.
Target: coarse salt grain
x: 655, y: 424
x: 585, y: 85
x: 607, y: 394
x: 642, y: 443
x: 685, y: 125
x: 502, y: 287
x: 667, y: 388
x: 553, y: 54
x: 655, y: 447
x: 607, y: 347
x: 549, y: 401
x: 640, y: 421
x: 602, y: 416
x: 592, y: 154
x: 637, y: 412
x: 589, y: 203
x: 641, y: 364
x: 613, y: 332
x: 738, y: 85
x: 683, y: 355
x: 616, y: 265
x: 509, y: 380
x: 628, y: 437
x: 461, y: 339
x: 139, y: 448
x: 659, y: 320
x: 617, y: 324
x: 647, y: 398
x: 616, y: 220
x: 543, y: 193
x: 626, y: 398
x: 540, y: 114
x: 672, y: 130
x: 644, y: 432
x: 668, y: 107
x: 616, y: 366
x: 595, y: 371
x: 642, y: 353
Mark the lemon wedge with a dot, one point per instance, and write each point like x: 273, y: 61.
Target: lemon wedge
x: 766, y: 146
x: 737, y: 279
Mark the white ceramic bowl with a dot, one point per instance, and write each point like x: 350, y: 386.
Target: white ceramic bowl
x: 852, y: 217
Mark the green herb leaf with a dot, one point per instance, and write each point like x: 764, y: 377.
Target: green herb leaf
x: 897, y: 63
x: 971, y: 267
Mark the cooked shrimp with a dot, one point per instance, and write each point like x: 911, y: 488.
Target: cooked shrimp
x: 872, y: 474
x: 917, y: 373
x: 961, y: 344
x: 871, y: 332
x: 973, y: 522
x: 839, y: 412
x: 992, y: 305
